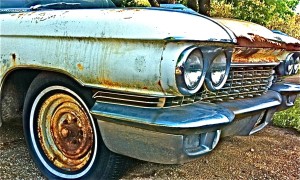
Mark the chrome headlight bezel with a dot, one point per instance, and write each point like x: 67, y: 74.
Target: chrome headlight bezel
x: 181, y: 71
x: 210, y: 83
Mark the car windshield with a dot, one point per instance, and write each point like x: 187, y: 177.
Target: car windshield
x: 56, y: 4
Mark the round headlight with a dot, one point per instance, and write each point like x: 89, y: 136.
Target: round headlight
x: 219, y: 70
x: 193, y: 68
x: 190, y: 71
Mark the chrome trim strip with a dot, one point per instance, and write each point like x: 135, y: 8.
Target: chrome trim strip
x: 126, y: 100
x: 254, y: 64
x: 99, y: 94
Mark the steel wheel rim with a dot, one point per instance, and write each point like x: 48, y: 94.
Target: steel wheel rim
x: 59, y: 105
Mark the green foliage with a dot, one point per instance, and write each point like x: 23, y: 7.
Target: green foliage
x: 290, y: 25
x: 289, y: 118
x: 221, y: 9
x: 273, y: 14
x: 132, y: 3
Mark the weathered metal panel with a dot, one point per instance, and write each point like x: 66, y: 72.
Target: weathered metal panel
x: 256, y: 36
x: 109, y: 48
x: 258, y: 55
x: 124, y: 65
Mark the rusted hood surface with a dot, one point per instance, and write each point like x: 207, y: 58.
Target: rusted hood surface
x: 253, y: 35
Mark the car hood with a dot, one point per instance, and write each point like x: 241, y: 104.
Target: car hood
x: 153, y: 24
x: 253, y: 35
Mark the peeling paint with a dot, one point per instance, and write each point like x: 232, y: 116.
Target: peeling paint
x: 257, y: 55
x: 253, y: 35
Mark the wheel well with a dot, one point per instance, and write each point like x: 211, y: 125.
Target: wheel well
x: 13, y: 92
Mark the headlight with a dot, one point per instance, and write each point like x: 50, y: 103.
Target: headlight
x: 190, y: 71
x: 218, y: 73
x: 193, y: 67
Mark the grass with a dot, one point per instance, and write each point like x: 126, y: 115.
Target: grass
x: 289, y: 118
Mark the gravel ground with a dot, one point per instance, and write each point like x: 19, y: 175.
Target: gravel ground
x: 273, y: 153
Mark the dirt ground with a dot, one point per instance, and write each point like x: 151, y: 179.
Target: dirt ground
x: 273, y: 153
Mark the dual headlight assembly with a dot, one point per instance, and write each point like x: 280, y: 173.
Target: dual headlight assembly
x: 289, y: 66
x: 192, y: 70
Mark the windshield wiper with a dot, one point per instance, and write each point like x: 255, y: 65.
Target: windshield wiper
x: 59, y: 5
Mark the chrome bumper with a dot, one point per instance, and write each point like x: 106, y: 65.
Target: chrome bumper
x: 289, y: 93
x: 168, y: 135
x: 177, y: 135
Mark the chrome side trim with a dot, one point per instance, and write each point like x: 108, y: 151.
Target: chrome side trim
x: 129, y: 99
x: 254, y: 64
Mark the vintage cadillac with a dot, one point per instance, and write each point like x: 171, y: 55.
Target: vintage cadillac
x: 95, y: 83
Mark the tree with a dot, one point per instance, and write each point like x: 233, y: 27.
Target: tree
x: 261, y: 11
x: 201, y: 6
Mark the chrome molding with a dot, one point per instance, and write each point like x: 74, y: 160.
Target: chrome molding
x: 129, y: 99
x: 254, y: 64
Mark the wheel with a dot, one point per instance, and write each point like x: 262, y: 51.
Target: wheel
x: 62, y: 136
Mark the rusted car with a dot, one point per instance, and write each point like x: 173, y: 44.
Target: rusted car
x: 95, y: 83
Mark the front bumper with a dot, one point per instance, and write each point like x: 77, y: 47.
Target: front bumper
x: 179, y: 134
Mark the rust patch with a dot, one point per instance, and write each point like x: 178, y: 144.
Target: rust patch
x: 20, y: 15
x: 256, y: 36
x: 42, y: 14
x: 13, y: 58
x: 256, y: 55
x: 110, y: 83
x: 256, y: 41
x: 159, y: 83
x: 80, y: 67
x: 70, y: 130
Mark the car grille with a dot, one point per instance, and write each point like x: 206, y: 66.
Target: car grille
x: 243, y: 82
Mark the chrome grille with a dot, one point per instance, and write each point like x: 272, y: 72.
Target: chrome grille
x: 242, y: 82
